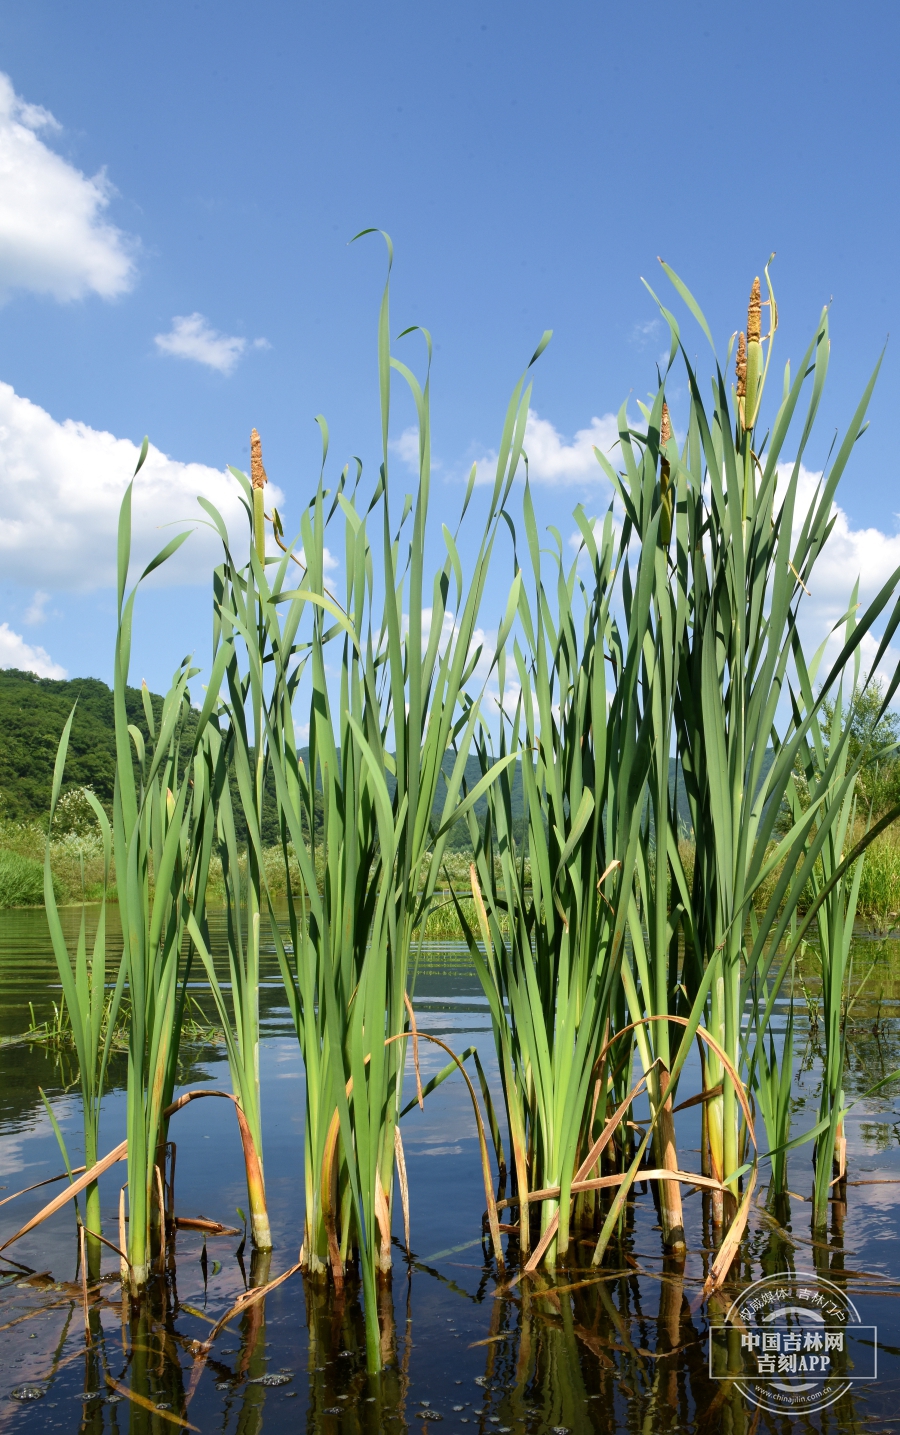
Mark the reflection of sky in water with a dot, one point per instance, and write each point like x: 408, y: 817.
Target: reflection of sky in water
x: 24, y: 1143
x: 13, y: 1149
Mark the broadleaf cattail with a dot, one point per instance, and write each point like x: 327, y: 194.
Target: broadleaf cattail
x: 258, y: 479
x: 665, y: 426
x: 740, y: 367
x: 754, y: 356
x: 665, y: 480
x: 754, y: 314
x: 257, y: 472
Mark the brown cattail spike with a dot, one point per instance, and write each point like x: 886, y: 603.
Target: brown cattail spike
x: 754, y: 314
x: 665, y: 478
x: 258, y: 480
x: 753, y: 381
x: 740, y: 367
x: 257, y: 472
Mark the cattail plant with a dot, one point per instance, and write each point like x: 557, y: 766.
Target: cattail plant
x: 92, y: 1016
x: 771, y: 1076
x: 235, y: 750
x: 369, y: 806
x: 237, y: 1000
x: 161, y: 855
x: 656, y: 914
x: 582, y: 742
x: 830, y: 784
x: 747, y: 570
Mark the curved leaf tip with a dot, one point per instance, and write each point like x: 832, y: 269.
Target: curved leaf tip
x: 545, y: 340
x: 143, y: 454
x: 373, y: 229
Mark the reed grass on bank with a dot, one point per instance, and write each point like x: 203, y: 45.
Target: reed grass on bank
x: 22, y: 851
x: 21, y: 877
x: 21, y: 880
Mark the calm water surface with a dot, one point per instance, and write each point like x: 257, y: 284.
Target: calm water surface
x: 615, y: 1349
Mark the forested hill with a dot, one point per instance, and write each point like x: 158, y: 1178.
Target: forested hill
x: 33, y: 713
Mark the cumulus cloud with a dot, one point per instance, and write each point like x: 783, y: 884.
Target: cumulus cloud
x: 406, y: 447
x: 554, y: 459
x: 61, y: 485
x: 868, y: 554
x: 644, y: 333
x: 36, y: 612
x: 329, y: 562
x: 487, y: 641
x: 54, y: 238
x: 16, y: 653
x: 193, y: 337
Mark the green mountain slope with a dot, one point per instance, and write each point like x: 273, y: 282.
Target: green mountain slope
x: 33, y: 713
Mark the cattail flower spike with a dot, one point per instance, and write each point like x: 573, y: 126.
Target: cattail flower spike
x: 258, y: 480
x: 665, y: 479
x: 754, y: 366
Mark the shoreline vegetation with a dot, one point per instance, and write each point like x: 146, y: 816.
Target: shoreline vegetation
x: 641, y: 805
x: 77, y: 861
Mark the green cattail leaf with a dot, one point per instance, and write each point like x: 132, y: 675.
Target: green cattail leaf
x: 164, y: 553
x: 469, y: 490
x: 123, y: 549
x: 691, y: 302
x: 60, y: 761
x: 545, y: 340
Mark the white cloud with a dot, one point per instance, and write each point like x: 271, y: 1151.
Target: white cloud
x: 553, y: 459
x: 329, y: 562
x: 61, y: 485
x: 16, y: 653
x: 481, y: 638
x: 193, y: 337
x: 868, y: 554
x: 36, y: 612
x: 53, y: 237
x: 406, y: 447
x: 642, y: 334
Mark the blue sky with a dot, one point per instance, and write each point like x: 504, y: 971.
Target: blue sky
x: 206, y: 164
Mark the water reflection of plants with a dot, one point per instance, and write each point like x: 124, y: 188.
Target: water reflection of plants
x: 619, y: 1348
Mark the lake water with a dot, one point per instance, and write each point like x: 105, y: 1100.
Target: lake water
x: 608, y: 1350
